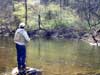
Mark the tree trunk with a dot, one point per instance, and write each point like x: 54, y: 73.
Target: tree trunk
x: 25, y: 12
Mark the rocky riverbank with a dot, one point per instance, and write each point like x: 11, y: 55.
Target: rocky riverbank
x: 60, y: 32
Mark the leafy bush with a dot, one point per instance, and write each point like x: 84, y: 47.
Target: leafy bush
x: 55, y: 15
x: 19, y: 11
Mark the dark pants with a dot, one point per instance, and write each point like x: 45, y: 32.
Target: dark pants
x: 21, y: 56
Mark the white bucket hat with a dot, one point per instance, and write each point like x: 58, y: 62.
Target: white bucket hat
x: 21, y: 25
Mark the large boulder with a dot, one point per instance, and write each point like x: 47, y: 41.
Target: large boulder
x: 29, y: 71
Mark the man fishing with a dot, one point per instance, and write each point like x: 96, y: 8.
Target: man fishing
x: 21, y: 38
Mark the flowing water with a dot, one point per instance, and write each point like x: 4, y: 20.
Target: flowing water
x: 54, y: 57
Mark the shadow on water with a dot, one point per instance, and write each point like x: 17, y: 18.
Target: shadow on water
x: 55, y: 57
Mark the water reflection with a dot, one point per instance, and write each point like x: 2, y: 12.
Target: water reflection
x: 6, y: 54
x: 54, y: 57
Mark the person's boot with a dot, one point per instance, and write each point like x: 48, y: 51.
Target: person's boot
x: 22, y: 72
x: 19, y: 73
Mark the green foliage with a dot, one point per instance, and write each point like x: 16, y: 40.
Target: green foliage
x: 19, y: 11
x: 2, y: 20
x: 51, y: 15
x: 54, y: 15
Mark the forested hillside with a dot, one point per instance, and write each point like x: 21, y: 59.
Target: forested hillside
x: 57, y: 16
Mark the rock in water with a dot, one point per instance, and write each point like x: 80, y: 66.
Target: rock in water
x: 94, y: 44
x: 29, y: 71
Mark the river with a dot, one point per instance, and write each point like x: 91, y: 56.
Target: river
x: 54, y: 57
